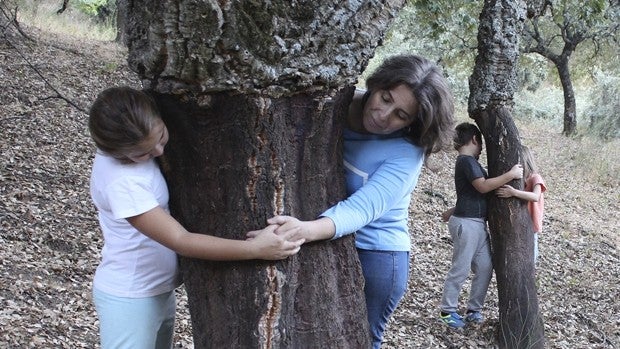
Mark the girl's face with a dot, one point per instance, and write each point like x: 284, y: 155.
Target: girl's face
x: 152, y: 146
x: 387, y: 111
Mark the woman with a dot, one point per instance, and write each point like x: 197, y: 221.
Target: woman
x: 405, y: 114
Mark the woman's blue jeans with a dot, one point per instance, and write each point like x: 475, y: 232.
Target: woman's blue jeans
x: 385, y: 275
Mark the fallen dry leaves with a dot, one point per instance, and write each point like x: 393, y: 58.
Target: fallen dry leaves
x: 50, y: 241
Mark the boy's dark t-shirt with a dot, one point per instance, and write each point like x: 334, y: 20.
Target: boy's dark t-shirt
x: 470, y: 202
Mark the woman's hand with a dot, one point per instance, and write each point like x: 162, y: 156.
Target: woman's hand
x: 271, y: 246
x: 288, y: 226
x: 294, y: 229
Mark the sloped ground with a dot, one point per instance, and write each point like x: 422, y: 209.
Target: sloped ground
x: 50, y: 241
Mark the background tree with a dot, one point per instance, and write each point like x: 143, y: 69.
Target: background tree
x: 492, y: 87
x: 252, y: 93
x: 446, y: 30
x: 556, y: 28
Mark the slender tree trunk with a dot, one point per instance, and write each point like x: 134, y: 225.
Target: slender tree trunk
x: 492, y: 86
x: 121, y: 13
x: 570, y: 105
x: 252, y: 93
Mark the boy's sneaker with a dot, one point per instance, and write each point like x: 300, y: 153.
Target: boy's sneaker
x: 474, y: 317
x: 452, y: 319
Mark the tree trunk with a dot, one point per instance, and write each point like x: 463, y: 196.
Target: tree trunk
x: 253, y: 94
x: 228, y: 175
x: 121, y: 13
x: 570, y: 105
x: 492, y: 87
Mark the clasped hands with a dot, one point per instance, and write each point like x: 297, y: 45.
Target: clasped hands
x: 294, y: 230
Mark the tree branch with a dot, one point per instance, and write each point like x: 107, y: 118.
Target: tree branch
x: 13, y: 20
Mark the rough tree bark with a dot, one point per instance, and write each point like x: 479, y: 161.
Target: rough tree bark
x: 492, y: 86
x: 253, y: 93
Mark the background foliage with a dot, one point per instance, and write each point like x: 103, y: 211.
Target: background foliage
x: 445, y: 31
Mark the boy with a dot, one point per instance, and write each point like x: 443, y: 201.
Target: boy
x: 467, y: 227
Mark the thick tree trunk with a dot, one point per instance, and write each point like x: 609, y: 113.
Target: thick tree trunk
x: 570, y: 105
x: 228, y: 175
x: 252, y: 93
x: 492, y: 86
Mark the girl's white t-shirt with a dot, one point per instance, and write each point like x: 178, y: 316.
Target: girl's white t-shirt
x: 132, y: 264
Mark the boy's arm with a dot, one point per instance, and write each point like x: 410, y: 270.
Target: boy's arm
x: 507, y: 191
x: 485, y: 185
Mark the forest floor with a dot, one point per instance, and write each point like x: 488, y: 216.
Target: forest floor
x: 50, y: 241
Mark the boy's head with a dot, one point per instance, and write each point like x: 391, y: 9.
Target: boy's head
x: 465, y: 133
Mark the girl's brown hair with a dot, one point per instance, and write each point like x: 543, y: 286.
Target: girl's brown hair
x: 529, y: 165
x: 120, y: 119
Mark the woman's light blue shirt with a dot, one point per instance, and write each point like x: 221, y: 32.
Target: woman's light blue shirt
x: 381, y: 173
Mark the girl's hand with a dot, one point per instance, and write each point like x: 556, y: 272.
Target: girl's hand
x: 271, y: 246
x: 505, y: 191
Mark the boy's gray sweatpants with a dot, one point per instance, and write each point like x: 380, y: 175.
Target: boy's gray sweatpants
x: 471, y: 251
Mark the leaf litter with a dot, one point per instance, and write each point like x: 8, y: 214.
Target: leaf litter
x: 50, y: 241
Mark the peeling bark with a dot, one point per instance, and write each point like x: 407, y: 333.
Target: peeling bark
x: 228, y: 175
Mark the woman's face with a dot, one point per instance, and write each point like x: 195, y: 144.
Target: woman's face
x: 387, y: 111
x: 152, y: 146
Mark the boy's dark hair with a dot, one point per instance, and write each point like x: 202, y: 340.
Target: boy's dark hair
x: 464, y: 133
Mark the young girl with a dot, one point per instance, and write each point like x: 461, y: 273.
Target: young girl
x: 405, y: 114
x: 133, y: 288
x: 533, y: 193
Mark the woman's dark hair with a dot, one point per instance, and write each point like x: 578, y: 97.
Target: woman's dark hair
x: 121, y: 118
x: 433, y: 126
x: 464, y: 133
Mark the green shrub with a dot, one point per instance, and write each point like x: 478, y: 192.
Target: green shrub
x: 543, y: 104
x: 100, y: 10
x: 602, y: 113
x: 90, y: 7
x: 42, y: 14
x: 532, y: 71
